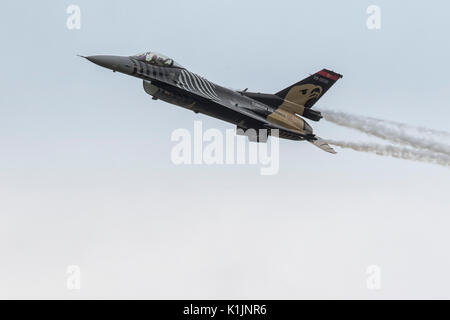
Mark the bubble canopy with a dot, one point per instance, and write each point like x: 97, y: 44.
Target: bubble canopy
x: 156, y: 59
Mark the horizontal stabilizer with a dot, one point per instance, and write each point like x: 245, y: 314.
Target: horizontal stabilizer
x: 320, y: 143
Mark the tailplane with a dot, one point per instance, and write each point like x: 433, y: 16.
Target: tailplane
x: 322, y: 144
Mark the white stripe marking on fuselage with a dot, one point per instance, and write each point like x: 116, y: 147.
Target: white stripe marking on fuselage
x: 197, y: 84
x: 208, y: 91
x: 201, y: 86
x: 190, y: 81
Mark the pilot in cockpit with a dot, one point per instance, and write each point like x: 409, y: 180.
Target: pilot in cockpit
x: 157, y: 59
x: 151, y: 58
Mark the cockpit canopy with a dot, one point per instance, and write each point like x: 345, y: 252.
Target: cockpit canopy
x: 157, y: 59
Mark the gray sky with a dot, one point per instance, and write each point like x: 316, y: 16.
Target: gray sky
x: 86, y: 176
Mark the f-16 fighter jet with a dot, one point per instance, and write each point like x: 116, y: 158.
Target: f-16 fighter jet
x: 256, y: 115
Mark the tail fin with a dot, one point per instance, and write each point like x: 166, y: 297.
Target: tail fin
x: 309, y: 90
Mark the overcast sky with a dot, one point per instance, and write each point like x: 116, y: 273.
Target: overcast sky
x: 86, y: 177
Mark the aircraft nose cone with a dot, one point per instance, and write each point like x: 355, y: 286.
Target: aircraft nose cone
x: 115, y: 63
x: 110, y: 62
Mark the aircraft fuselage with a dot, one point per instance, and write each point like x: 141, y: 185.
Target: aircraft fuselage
x: 166, y: 80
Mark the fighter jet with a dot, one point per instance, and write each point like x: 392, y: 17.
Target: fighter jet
x: 256, y: 115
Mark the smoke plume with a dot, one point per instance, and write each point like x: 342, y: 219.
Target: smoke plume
x: 396, y: 152
x: 415, y: 143
x: 416, y: 137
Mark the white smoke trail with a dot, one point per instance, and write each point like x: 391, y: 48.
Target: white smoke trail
x: 392, y: 131
x: 427, y: 132
x: 396, y: 152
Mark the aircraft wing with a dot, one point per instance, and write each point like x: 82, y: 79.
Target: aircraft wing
x: 245, y: 112
x: 263, y: 122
